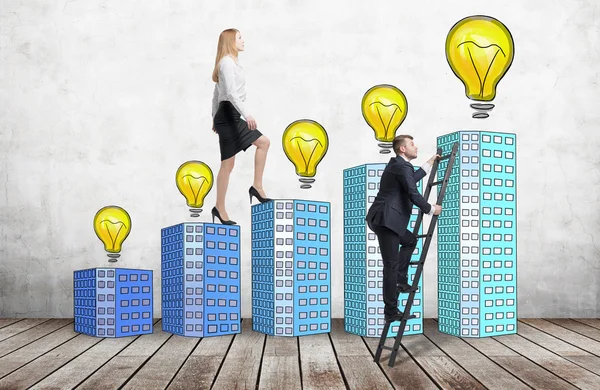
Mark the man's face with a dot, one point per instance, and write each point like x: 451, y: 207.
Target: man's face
x: 409, y: 148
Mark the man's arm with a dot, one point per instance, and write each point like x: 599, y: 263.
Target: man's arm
x: 406, y: 176
x: 423, y: 171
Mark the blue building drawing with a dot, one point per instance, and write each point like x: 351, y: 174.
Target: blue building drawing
x: 363, y: 266
x: 477, y: 253
x: 291, y: 267
x: 112, y: 302
x: 200, y: 268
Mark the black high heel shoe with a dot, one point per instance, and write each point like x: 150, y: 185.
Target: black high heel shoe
x: 215, y: 213
x: 253, y: 192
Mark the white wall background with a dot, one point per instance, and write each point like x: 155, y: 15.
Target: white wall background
x: 101, y: 101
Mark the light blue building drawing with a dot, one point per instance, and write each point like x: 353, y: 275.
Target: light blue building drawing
x: 363, y: 266
x: 477, y: 247
x: 200, y: 268
x: 291, y: 267
x: 113, y: 302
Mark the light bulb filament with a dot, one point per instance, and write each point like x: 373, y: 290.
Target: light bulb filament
x: 112, y: 239
x: 306, y: 162
x: 190, y: 184
x: 386, y: 127
x: 482, y: 83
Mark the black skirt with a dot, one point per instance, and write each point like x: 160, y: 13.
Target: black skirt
x: 234, y: 134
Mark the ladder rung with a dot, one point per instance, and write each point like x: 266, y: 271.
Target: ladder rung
x: 407, y: 292
x: 445, y: 157
x: 422, y: 235
x: 414, y: 263
x: 435, y: 183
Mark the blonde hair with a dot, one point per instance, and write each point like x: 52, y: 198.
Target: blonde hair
x: 226, y: 46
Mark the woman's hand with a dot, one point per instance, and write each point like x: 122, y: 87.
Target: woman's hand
x: 251, y: 122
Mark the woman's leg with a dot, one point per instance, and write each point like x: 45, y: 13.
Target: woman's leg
x: 260, y: 157
x: 222, y: 183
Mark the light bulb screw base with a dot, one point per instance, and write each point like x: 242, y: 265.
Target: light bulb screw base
x: 385, y: 148
x: 306, y: 183
x: 195, y: 212
x: 112, y: 257
x: 481, y: 110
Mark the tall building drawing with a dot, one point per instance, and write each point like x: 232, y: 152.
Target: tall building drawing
x: 113, y: 302
x: 363, y: 266
x: 291, y: 267
x: 477, y: 270
x: 200, y: 268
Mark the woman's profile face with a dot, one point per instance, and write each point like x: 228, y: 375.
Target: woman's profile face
x: 239, y: 42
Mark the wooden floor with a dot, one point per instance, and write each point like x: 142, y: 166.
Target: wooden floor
x: 546, y: 354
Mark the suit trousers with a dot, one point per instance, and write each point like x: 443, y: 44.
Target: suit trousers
x: 395, y: 262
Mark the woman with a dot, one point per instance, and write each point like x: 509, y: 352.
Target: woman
x: 235, y: 134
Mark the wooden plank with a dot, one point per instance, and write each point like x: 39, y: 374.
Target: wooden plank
x: 567, y: 335
x: 21, y: 357
x: 20, y: 326
x: 158, y: 372
x: 320, y: 369
x: 549, y: 342
x: 47, y: 363
x: 578, y: 327
x: 357, y: 364
x: 4, y: 322
x: 30, y: 335
x: 200, y: 369
x: 563, y: 368
x: 438, y: 365
x: 483, y: 369
x: 593, y: 322
x: 280, y: 367
x: 120, y: 368
x: 241, y: 366
x: 405, y: 374
x: 529, y: 372
x: 84, y: 365
x: 568, y: 351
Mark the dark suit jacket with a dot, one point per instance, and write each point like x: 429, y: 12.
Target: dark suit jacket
x: 397, y: 193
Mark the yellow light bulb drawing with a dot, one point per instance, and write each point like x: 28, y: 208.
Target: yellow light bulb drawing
x: 112, y: 225
x: 194, y: 180
x: 480, y: 49
x: 305, y: 143
x: 384, y: 107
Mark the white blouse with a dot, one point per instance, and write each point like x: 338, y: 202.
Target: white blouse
x: 231, y: 86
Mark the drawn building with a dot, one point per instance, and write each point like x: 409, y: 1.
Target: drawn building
x: 363, y: 266
x: 477, y: 269
x: 113, y: 302
x: 200, y: 268
x: 291, y: 267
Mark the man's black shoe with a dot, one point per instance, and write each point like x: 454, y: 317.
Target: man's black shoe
x: 404, y: 288
x: 397, y: 317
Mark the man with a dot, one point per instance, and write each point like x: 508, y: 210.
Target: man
x: 389, y: 215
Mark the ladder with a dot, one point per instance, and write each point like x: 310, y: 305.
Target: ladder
x: 421, y: 261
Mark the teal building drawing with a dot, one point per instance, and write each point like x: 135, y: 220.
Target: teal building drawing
x: 477, y: 247
x: 363, y: 266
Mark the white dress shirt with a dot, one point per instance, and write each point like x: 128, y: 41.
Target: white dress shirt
x: 231, y: 86
x: 427, y: 168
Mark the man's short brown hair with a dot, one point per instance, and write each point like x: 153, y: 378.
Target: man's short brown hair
x: 399, y: 141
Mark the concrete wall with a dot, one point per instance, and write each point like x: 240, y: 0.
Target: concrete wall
x: 101, y: 101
